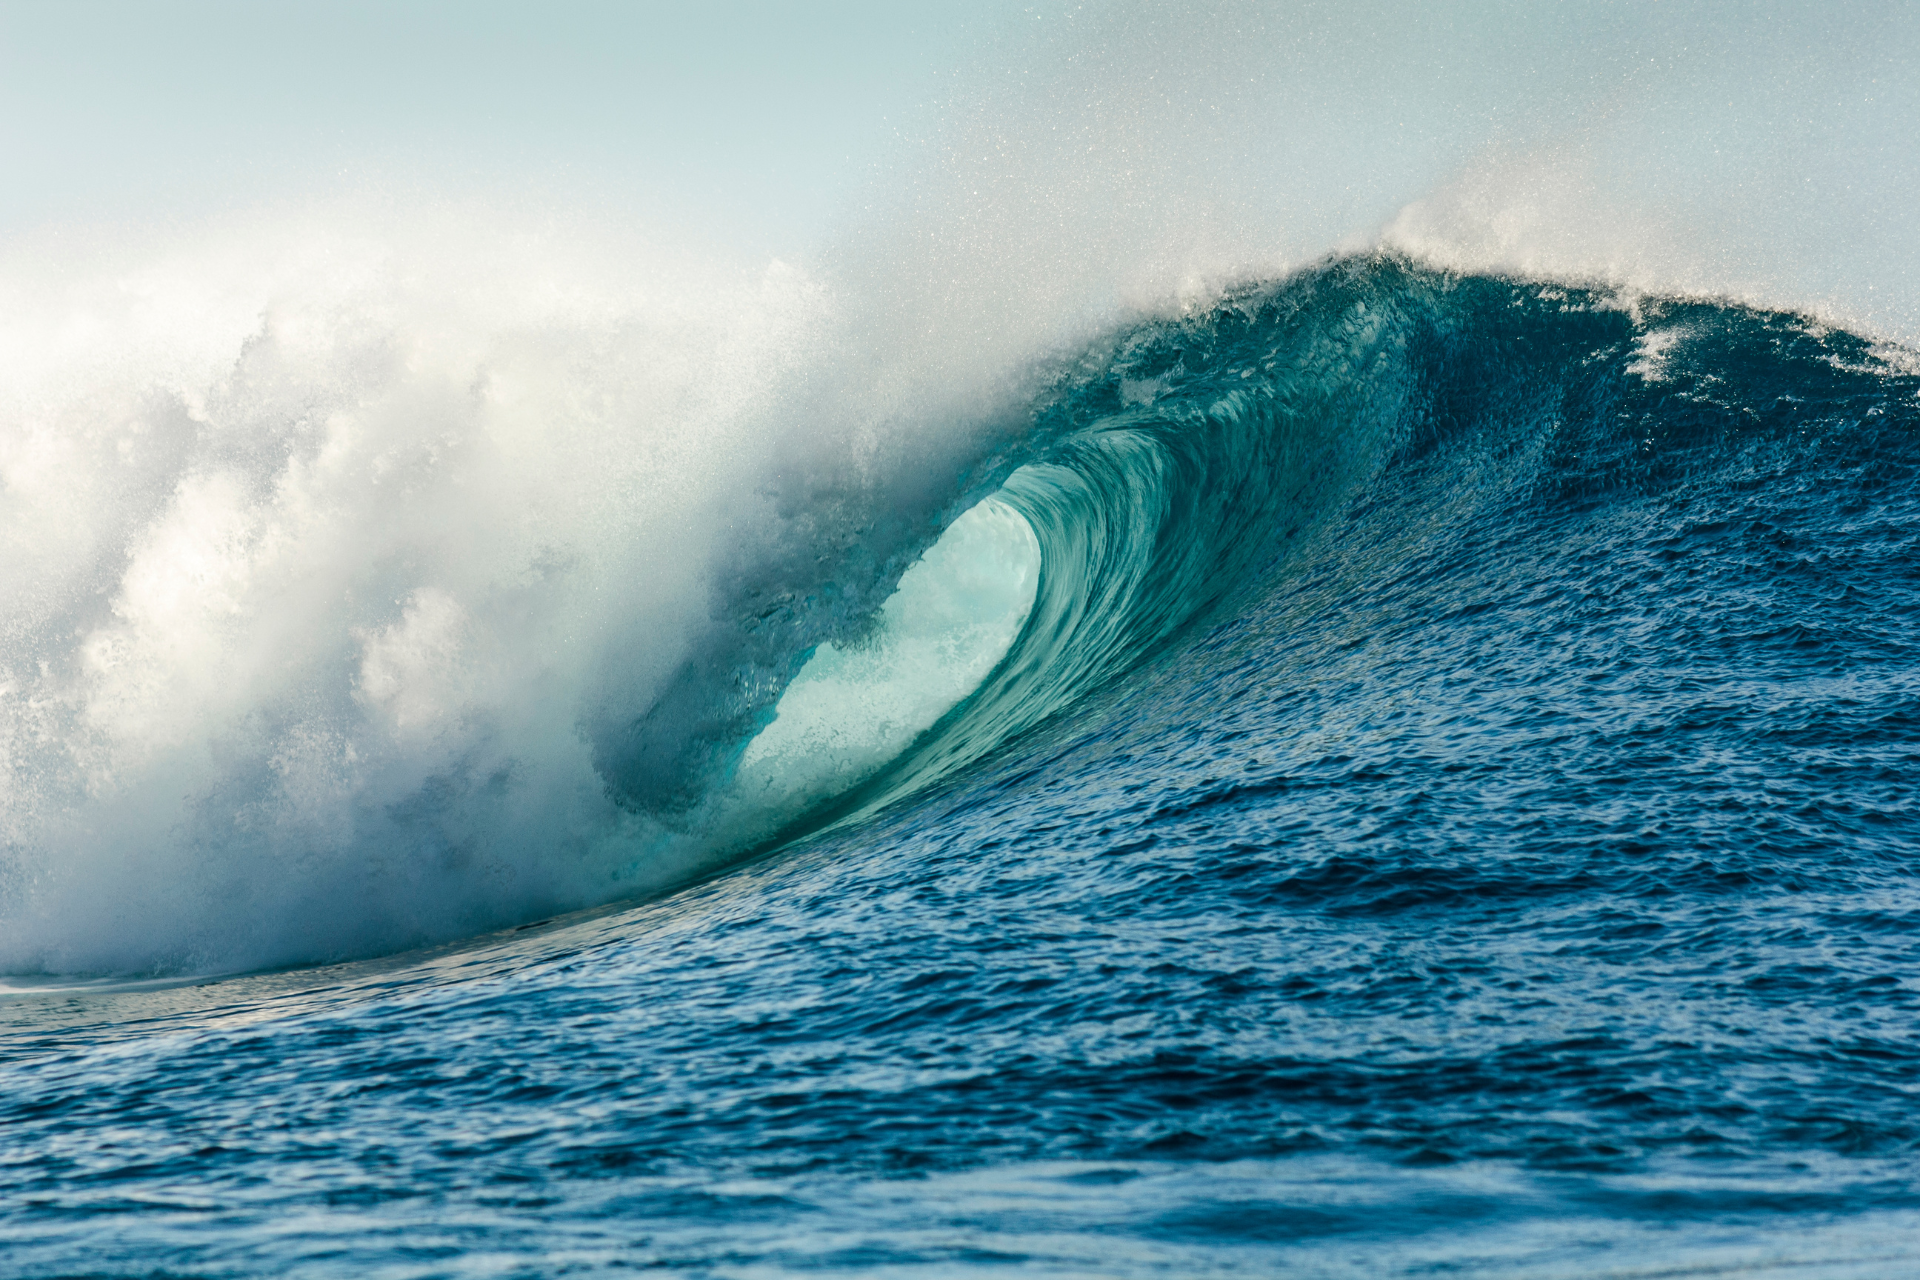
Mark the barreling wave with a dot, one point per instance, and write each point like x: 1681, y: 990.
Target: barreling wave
x: 1271, y: 438
x: 1191, y: 460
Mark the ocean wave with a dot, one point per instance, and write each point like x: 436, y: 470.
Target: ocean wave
x: 389, y: 633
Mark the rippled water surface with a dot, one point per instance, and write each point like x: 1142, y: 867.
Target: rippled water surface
x: 1450, y: 811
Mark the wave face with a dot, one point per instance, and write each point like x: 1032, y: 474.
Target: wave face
x: 1423, y: 777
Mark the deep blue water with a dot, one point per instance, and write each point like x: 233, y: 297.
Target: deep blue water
x: 1451, y: 811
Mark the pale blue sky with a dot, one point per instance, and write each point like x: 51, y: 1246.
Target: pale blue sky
x: 757, y: 118
x: 1762, y: 151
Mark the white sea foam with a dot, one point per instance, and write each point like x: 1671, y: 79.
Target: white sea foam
x: 310, y: 580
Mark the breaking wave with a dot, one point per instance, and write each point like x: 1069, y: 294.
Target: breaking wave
x: 389, y: 633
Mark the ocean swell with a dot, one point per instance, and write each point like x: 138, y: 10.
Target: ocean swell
x: 392, y: 632
x: 1316, y: 436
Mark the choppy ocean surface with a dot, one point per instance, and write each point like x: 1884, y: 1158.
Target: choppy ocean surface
x: 1434, y: 794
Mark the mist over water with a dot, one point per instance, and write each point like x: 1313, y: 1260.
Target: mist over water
x: 1154, y: 638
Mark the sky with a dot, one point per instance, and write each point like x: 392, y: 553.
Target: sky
x: 1759, y: 152
x: 748, y: 118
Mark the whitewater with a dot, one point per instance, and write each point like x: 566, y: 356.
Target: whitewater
x: 1286, y: 648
